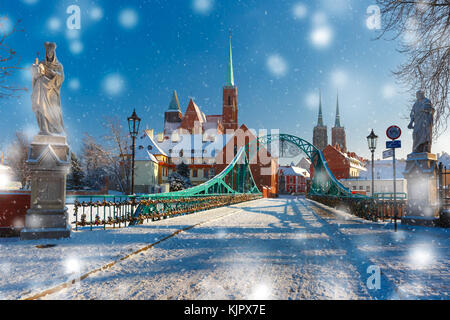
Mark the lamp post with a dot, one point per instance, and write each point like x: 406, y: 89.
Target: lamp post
x: 133, y: 125
x: 372, y: 142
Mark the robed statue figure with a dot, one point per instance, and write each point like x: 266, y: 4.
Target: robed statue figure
x: 422, y: 123
x: 48, y: 76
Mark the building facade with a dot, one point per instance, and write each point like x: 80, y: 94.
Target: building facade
x: 294, y: 179
x: 343, y: 165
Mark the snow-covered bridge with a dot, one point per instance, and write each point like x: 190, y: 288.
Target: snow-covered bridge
x: 285, y: 248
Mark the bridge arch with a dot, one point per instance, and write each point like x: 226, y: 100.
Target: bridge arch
x: 324, y: 182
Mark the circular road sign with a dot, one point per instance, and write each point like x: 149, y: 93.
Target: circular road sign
x: 393, y: 132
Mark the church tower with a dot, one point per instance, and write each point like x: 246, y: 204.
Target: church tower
x: 173, y: 116
x: 338, y: 132
x: 320, y: 134
x: 230, y: 107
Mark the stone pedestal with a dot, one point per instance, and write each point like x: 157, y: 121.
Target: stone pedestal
x: 49, y: 162
x: 421, y: 174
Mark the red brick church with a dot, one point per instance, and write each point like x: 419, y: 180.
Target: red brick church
x: 207, y: 143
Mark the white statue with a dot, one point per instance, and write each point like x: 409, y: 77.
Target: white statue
x: 48, y: 76
x: 422, y: 123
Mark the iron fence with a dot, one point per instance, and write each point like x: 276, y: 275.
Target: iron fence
x: 443, y: 189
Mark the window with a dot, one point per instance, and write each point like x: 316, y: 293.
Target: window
x: 194, y: 173
x: 229, y: 100
x: 361, y: 188
x: 206, y: 173
x: 354, y: 187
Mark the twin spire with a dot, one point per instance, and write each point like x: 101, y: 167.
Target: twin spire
x: 320, y: 120
x: 337, y: 122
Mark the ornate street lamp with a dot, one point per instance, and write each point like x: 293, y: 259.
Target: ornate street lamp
x: 133, y: 124
x: 372, y: 142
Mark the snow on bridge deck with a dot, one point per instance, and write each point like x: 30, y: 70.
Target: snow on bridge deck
x: 286, y: 248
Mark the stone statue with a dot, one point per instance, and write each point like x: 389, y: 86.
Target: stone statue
x: 48, y: 76
x: 422, y: 123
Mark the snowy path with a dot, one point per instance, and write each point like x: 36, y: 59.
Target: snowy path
x: 286, y: 248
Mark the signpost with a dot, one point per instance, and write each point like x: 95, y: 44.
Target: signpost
x: 393, y: 144
x: 393, y: 133
x: 389, y: 153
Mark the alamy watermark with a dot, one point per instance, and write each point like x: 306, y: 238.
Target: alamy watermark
x: 374, y: 280
x: 73, y: 22
x: 373, y: 21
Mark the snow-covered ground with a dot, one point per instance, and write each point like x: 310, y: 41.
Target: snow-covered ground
x: 286, y: 248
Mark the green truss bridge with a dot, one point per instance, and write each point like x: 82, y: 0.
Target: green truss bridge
x: 233, y: 185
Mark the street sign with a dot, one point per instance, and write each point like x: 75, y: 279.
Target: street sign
x: 388, y: 153
x: 393, y: 144
x: 393, y: 132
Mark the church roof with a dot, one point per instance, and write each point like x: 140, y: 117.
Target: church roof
x: 174, y: 103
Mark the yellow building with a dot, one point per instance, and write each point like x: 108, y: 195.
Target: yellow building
x: 146, y: 171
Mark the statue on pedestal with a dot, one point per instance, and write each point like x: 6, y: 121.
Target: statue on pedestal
x: 48, y: 76
x: 422, y: 123
x: 421, y: 169
x: 48, y: 157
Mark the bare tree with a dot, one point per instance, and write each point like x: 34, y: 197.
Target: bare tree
x: 9, y: 61
x: 424, y: 29
x: 118, y: 144
x: 17, y: 156
x: 95, y: 162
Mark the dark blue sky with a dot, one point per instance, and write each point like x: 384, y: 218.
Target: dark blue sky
x: 134, y: 55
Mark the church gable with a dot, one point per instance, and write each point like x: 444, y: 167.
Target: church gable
x: 193, y: 118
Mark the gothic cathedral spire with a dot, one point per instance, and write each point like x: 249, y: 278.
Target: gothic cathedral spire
x: 320, y: 134
x: 320, y: 118
x: 230, y: 73
x: 337, y: 123
x: 229, y: 105
x: 338, y: 136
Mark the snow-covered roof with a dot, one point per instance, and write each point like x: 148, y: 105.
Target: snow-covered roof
x: 149, y: 144
x: 294, y: 171
x: 383, y: 169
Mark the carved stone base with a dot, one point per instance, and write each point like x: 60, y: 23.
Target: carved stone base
x: 44, y: 233
x: 421, y: 175
x: 49, y: 163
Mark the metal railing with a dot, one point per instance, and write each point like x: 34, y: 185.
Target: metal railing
x: 122, y: 211
x: 379, y: 207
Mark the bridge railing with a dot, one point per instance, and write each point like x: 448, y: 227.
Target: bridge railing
x: 101, y: 212
x: 379, y: 207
